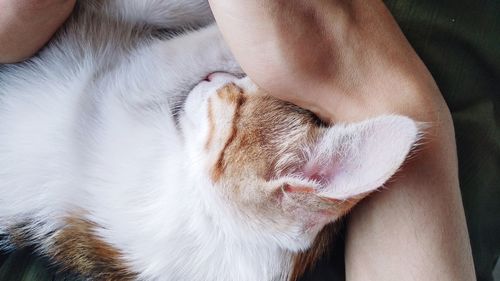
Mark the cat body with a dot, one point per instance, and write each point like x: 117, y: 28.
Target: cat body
x: 121, y: 160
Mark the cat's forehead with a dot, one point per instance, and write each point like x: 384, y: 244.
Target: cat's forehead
x: 260, y: 128
x: 255, y: 106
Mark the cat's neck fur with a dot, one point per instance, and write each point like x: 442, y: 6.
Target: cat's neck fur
x: 203, y: 241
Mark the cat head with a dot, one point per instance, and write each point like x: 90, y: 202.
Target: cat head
x: 277, y: 169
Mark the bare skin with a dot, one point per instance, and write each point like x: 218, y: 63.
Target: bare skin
x: 26, y: 25
x: 352, y: 60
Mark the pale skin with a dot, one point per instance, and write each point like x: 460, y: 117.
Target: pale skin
x: 353, y: 62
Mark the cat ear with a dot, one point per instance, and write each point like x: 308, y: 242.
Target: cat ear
x: 349, y: 161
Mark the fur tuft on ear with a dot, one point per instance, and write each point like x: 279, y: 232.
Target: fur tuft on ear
x: 349, y: 161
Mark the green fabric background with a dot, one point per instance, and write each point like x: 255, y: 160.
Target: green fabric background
x: 459, y: 41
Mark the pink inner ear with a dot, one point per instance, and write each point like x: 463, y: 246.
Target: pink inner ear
x: 322, y: 174
x: 302, y: 189
x: 355, y: 159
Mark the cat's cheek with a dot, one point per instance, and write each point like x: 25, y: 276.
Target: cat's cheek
x: 193, y: 109
x: 307, y: 214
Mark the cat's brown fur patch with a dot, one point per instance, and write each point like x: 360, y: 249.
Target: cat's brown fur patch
x: 264, y: 129
x: 211, y: 125
x: 77, y: 248
x: 232, y: 94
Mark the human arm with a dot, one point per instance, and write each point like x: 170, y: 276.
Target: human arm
x: 26, y: 25
x: 346, y: 61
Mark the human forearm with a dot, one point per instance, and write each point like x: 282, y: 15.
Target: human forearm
x: 336, y: 52
x: 26, y: 25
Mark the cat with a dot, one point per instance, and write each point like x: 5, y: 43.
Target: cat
x: 133, y: 148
